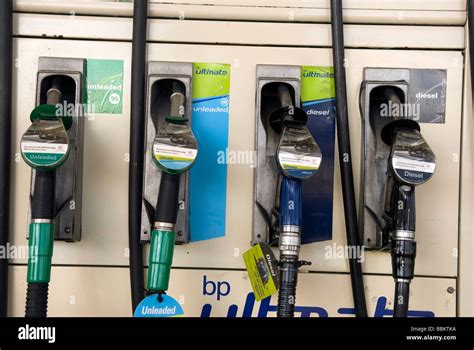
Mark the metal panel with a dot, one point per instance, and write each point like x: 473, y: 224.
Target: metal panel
x: 365, y: 4
x: 238, y: 33
x: 439, y: 5
x: 444, y: 12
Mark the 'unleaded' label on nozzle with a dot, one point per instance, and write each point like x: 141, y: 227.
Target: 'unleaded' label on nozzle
x: 174, y: 157
x: 43, y: 154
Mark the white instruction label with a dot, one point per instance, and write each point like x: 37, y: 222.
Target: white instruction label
x: 294, y: 161
x: 161, y: 150
x: 399, y: 163
x: 40, y: 147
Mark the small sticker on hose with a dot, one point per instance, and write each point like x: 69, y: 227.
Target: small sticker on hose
x: 262, y: 268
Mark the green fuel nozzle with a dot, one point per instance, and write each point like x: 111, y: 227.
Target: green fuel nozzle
x: 45, y: 144
x: 174, y: 150
x: 44, y: 147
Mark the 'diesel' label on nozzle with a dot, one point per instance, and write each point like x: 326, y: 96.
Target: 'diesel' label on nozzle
x: 412, y: 159
x: 262, y: 268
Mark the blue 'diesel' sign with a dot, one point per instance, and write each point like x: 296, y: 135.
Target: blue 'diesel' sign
x: 319, y: 102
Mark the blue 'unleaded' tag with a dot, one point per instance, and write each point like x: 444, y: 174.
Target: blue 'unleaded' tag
x: 152, y: 307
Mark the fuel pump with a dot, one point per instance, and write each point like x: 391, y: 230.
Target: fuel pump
x: 174, y: 151
x: 44, y: 147
x: 298, y: 158
x: 411, y: 163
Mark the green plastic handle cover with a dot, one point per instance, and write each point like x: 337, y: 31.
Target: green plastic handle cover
x: 40, y: 252
x: 48, y: 111
x: 160, y: 260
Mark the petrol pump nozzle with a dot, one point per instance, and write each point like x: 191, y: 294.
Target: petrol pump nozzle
x: 45, y: 144
x: 175, y: 147
x: 44, y: 147
x: 298, y: 157
x: 411, y: 163
x: 174, y: 151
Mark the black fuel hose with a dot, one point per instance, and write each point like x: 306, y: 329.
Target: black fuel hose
x: 42, y: 207
x: 137, y: 135
x: 6, y: 12
x: 37, y: 300
x: 288, y: 267
x: 402, y: 291
x: 345, y: 158
x: 403, y: 245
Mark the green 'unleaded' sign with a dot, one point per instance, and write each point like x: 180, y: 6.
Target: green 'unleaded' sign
x: 104, y: 81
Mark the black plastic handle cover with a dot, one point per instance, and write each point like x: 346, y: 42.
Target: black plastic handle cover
x: 168, y: 197
x: 43, y: 205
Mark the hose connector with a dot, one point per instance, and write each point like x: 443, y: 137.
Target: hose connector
x: 290, y: 240
x: 403, y: 251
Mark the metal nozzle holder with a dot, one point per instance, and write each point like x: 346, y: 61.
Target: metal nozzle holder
x: 266, y: 178
x: 160, y: 100
x: 68, y: 191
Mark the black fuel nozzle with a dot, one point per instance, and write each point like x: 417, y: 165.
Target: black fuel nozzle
x: 411, y: 163
x: 297, y: 149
